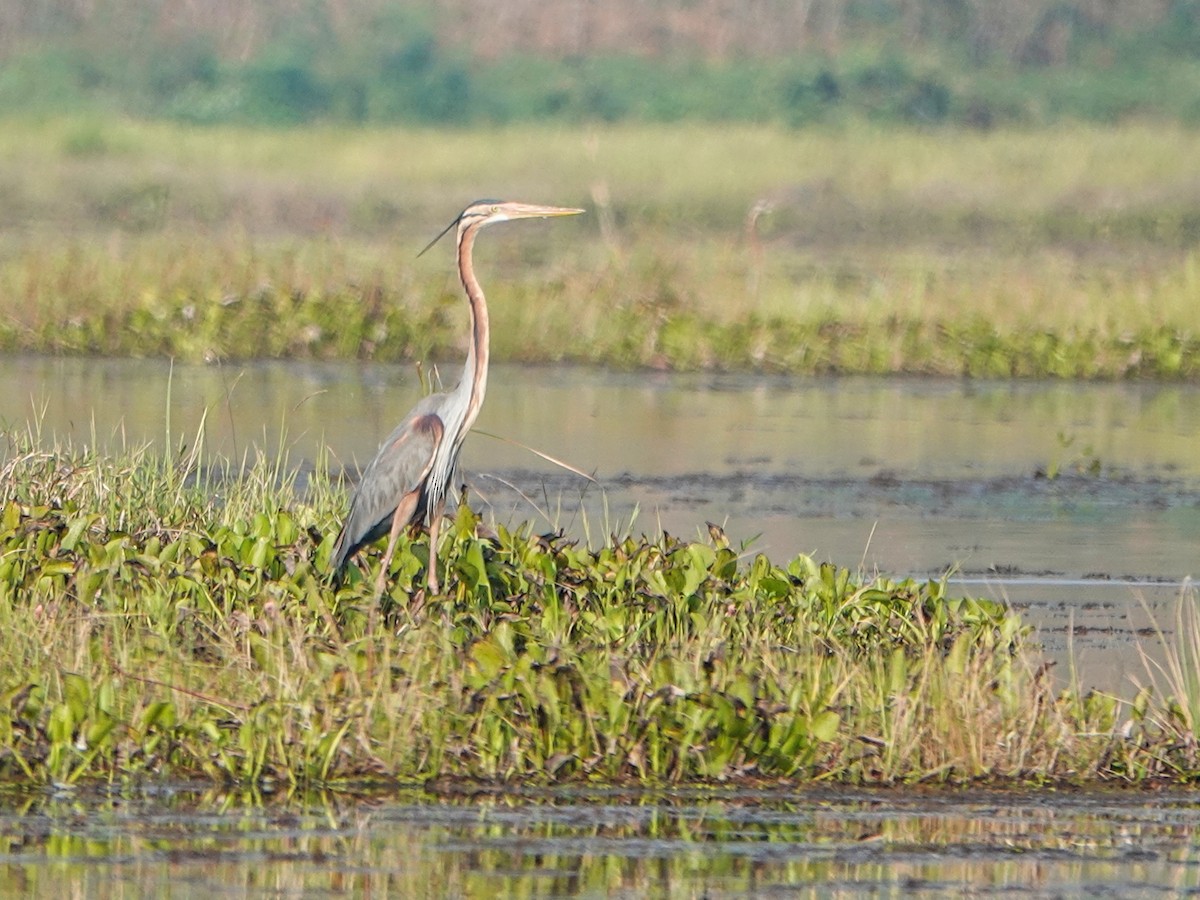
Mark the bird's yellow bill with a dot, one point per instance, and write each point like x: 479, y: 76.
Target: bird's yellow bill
x: 531, y: 210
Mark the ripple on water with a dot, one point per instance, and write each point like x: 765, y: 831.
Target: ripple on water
x: 683, y: 843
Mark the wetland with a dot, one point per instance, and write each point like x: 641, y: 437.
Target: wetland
x: 1078, y: 504
x: 193, y: 842
x: 957, y: 582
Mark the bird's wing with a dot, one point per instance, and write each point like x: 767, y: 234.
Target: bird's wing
x: 400, y: 466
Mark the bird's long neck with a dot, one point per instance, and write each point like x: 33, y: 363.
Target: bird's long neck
x: 474, y: 378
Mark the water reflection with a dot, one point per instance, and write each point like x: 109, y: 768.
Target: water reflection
x: 681, y: 844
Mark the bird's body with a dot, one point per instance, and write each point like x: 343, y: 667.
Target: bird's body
x: 407, y: 481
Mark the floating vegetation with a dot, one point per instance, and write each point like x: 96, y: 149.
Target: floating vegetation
x: 174, y: 617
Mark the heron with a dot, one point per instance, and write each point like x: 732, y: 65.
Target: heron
x: 407, y: 481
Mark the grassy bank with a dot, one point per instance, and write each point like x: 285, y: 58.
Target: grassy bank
x: 1068, y: 252
x: 162, y: 618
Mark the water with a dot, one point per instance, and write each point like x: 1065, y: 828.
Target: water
x: 180, y: 842
x: 900, y: 476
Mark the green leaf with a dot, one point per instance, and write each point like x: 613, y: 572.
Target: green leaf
x: 286, y: 530
x: 262, y: 553
x: 825, y: 725
x: 10, y: 518
x: 489, y: 657
x: 702, y: 555
x: 472, y: 568
x: 78, y: 695
x: 160, y: 714
x: 75, y: 530
x: 99, y: 731
x: 62, y: 724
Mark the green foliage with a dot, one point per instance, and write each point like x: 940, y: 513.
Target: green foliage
x: 395, y: 66
x: 152, y: 628
x: 1053, y: 253
x: 282, y: 92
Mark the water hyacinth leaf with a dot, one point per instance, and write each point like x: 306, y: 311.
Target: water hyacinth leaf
x: 489, y: 657
x: 876, y: 595
x: 77, y: 694
x: 825, y: 725
x: 725, y: 564
x: 465, y: 521
x: 1010, y: 627
x: 260, y: 526
x: 286, y: 530
x: 160, y: 714
x: 262, y: 553
x: 471, y: 567
x: 774, y: 587
x: 10, y: 518
x: 106, y: 696
x: 505, y: 637
x: 88, y: 585
x: 75, y: 530
x: 62, y: 724
x: 695, y: 572
x: 545, y: 564
x: 43, y: 541
x: 703, y: 556
x: 759, y: 569
x: 324, y: 551
x: 99, y: 732
x: 656, y: 581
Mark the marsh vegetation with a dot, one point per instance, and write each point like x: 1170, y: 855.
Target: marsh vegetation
x: 166, y: 618
x: 171, y: 615
x: 1067, y: 252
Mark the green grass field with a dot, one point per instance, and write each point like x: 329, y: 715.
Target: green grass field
x: 1067, y: 252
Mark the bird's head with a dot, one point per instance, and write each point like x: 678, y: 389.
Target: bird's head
x: 488, y: 212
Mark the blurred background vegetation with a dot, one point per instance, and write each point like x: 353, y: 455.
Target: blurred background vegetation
x: 933, y: 186
x: 979, y: 63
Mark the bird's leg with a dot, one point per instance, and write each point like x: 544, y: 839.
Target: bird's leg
x: 435, y: 522
x: 404, y: 512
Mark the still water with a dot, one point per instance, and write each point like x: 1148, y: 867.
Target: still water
x: 901, y: 476
x: 178, y: 842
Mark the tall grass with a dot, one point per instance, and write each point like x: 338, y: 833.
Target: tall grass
x: 1068, y: 252
x: 1174, y: 679
x: 175, y: 617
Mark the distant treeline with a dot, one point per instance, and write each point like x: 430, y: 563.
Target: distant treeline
x: 974, y: 62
